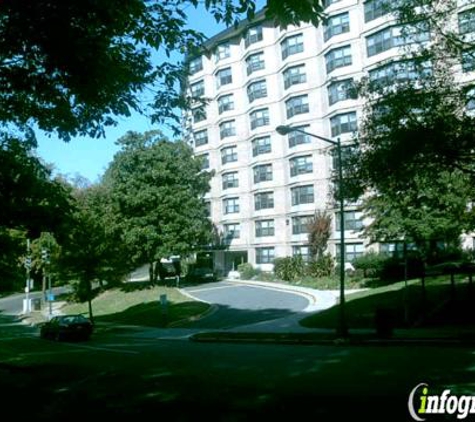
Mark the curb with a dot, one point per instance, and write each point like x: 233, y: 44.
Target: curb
x: 274, y: 338
x: 210, y: 311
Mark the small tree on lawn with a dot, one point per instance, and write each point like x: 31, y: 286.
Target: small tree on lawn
x: 319, y: 230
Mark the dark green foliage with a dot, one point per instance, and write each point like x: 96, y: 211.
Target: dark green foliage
x: 12, y: 248
x: 323, y: 266
x: 371, y: 263
x: 247, y: 271
x: 156, y: 189
x: 29, y: 198
x: 72, y: 67
x: 31, y: 202
x: 289, y: 268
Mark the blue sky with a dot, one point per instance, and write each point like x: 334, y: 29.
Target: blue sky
x: 90, y: 157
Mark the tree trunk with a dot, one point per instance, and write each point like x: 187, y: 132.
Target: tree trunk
x: 43, y: 289
x: 151, y: 273
x: 89, y: 300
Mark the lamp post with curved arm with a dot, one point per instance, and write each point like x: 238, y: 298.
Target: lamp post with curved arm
x: 342, y: 329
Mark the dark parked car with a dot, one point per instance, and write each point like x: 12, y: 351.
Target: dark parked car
x: 200, y: 275
x: 67, y: 327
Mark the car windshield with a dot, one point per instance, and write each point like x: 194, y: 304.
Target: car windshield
x: 73, y: 319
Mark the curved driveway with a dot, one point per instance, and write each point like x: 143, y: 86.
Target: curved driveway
x: 241, y: 304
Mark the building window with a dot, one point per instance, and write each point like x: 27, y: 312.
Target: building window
x: 297, y: 105
x: 298, y: 138
x: 341, y: 91
x: 199, y: 114
x: 343, y: 123
x: 292, y: 45
x: 230, y: 180
x: 336, y: 25
x: 228, y: 155
x: 204, y: 161
x: 294, y: 75
x: 352, y: 251
x: 263, y: 200
x: 467, y: 21
x: 197, y: 89
x: 265, y: 255
x: 338, y: 57
x: 195, y: 65
x: 353, y: 220
x: 259, y: 118
x: 223, y: 51
x: 375, y: 8
x: 300, y: 225
x: 253, y: 35
x: 262, y: 173
x: 468, y: 60
x: 261, y: 146
x: 225, y: 103
x: 224, y: 77
x: 255, y: 62
x: 301, y: 165
x: 400, y: 71
x: 257, y: 90
x: 302, y: 195
x: 303, y: 251
x: 231, y: 205
x: 201, y: 137
x: 232, y: 231
x: 227, y: 129
x: 397, y: 36
x: 265, y: 228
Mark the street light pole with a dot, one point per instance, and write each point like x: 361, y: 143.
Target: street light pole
x: 342, y: 328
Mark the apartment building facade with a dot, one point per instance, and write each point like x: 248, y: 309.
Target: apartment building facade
x: 267, y: 187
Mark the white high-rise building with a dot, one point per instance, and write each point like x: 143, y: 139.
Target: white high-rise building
x: 266, y: 186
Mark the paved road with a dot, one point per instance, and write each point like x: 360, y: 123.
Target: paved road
x: 121, y: 376
x: 240, y: 304
x: 13, y: 305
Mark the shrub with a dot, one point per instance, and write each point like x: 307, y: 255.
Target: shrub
x: 246, y: 271
x: 370, y: 263
x: 289, y: 268
x: 322, y: 267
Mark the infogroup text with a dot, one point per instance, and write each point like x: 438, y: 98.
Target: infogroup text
x: 422, y: 404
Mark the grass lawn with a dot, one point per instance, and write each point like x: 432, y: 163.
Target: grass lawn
x: 139, y: 304
x: 436, y: 306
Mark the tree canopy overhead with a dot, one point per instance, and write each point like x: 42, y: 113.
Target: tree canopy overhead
x: 72, y: 67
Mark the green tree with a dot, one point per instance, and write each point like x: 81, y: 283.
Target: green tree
x: 72, y: 67
x: 90, y: 252
x: 416, y: 139
x: 157, y: 188
x: 31, y: 199
x: 319, y: 231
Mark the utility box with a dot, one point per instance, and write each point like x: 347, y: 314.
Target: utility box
x: 37, y: 304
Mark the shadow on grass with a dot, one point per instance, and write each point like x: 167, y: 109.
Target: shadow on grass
x: 153, y: 314
x: 436, y: 305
